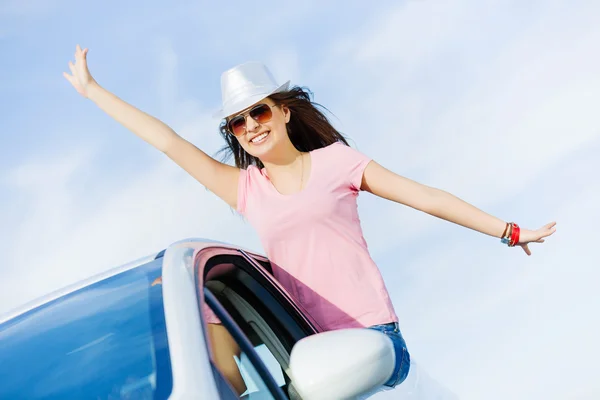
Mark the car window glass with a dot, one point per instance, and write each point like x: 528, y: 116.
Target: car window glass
x: 257, y: 328
x: 229, y: 354
x: 255, y: 386
x: 269, y: 361
x: 104, y: 341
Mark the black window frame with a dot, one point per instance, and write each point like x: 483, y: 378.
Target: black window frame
x: 283, y: 311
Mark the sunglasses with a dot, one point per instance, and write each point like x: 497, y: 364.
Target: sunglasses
x: 261, y: 113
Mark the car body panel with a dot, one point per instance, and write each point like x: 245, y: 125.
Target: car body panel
x: 192, y: 373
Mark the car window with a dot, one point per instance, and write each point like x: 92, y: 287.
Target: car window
x: 270, y: 323
x: 256, y: 376
x: 255, y: 385
x: 105, y: 341
x: 242, y: 368
x: 271, y: 363
x: 273, y: 366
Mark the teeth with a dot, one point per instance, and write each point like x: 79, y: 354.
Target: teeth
x: 260, y: 137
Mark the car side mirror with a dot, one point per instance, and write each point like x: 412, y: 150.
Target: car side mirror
x: 341, y: 364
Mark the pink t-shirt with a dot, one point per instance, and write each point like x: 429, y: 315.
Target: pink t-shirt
x: 314, y: 240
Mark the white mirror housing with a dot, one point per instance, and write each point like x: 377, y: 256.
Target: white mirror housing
x: 341, y: 364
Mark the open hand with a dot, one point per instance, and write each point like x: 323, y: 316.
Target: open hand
x: 80, y: 77
x: 536, y: 236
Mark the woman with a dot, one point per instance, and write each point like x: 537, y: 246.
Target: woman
x: 296, y: 180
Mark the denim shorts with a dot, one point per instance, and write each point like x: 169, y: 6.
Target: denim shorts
x: 392, y: 330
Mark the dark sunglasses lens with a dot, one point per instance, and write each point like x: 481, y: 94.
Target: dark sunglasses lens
x: 237, y: 125
x: 261, y: 113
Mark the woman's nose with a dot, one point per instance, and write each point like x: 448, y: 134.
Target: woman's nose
x: 251, y: 124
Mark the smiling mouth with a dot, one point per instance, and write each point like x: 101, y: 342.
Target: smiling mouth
x: 260, y: 138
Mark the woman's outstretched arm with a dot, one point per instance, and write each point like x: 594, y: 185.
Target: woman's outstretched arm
x: 219, y: 178
x: 388, y: 185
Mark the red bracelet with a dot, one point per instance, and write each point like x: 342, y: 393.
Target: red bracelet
x: 514, y: 237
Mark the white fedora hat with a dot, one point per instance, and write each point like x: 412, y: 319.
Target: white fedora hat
x: 244, y: 85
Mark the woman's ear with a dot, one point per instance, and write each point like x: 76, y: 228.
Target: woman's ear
x: 286, y: 113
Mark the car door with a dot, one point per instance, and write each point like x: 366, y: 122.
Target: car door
x: 258, y: 306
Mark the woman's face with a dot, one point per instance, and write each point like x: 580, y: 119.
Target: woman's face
x: 265, y: 127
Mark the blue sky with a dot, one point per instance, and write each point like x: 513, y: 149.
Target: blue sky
x: 494, y: 101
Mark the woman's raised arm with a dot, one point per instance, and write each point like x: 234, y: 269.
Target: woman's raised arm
x: 219, y: 178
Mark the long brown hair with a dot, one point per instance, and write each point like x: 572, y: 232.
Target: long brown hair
x: 308, y: 129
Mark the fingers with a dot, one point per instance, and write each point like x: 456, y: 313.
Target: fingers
x: 68, y: 77
x: 73, y: 82
x: 80, y: 58
x: 78, y: 70
x: 548, y: 230
x: 545, y: 231
x: 537, y: 236
x: 80, y: 55
x: 84, y: 58
x: 72, y: 68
